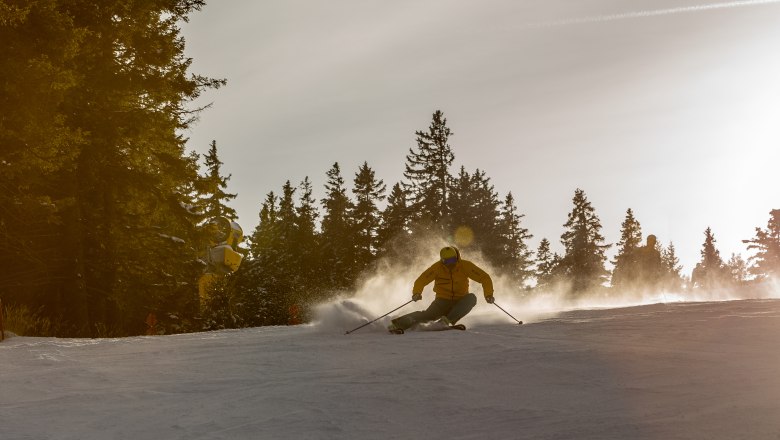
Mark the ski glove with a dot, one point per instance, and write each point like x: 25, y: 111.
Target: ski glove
x: 416, y: 296
x: 489, y: 299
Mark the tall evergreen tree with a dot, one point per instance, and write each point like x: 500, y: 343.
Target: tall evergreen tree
x: 516, y: 259
x: 427, y: 173
x: 461, y: 203
x: 111, y: 175
x: 673, y: 278
x: 39, y: 46
x: 264, y: 236
x: 485, y: 223
x: 766, y: 244
x: 263, y: 287
x: 394, y: 227
x: 475, y: 208
x: 625, y: 263
x: 287, y: 230
x: 583, y: 261
x: 214, y: 186
x: 306, y: 242
x: 368, y: 191
x: 338, y: 233
x: 547, y: 264
x: 709, y: 272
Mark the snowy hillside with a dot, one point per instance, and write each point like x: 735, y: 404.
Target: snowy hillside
x: 679, y: 371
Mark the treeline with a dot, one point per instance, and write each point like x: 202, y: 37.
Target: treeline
x: 103, y: 212
x: 292, y: 263
x: 299, y: 255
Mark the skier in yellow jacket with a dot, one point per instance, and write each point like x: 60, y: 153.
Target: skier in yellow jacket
x: 451, y: 283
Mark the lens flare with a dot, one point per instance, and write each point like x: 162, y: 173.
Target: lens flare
x: 464, y: 236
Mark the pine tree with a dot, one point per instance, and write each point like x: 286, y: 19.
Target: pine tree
x: 338, y: 233
x: 625, y: 271
x: 547, y: 265
x: 39, y: 45
x: 106, y: 88
x: 583, y: 261
x: 516, y: 259
x: 394, y: 227
x: 306, y: 243
x: 262, y: 286
x: 297, y: 246
x: 263, y: 238
x: 214, y: 186
x: 673, y: 278
x: 737, y: 269
x: 709, y: 272
x: 461, y: 204
x: 475, y: 216
x: 486, y: 206
x: 368, y: 191
x: 427, y: 174
x: 766, y: 243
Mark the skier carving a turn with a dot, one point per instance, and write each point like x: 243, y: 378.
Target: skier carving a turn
x: 453, y: 300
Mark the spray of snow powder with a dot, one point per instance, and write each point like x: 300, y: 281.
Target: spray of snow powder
x: 389, y: 286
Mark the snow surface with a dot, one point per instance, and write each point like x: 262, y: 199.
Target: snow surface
x: 706, y: 370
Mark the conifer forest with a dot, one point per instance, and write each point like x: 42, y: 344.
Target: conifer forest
x: 105, y: 214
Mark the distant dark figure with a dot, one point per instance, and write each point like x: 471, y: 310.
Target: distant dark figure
x: 648, y: 264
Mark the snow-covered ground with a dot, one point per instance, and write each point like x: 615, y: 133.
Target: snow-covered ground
x: 708, y: 370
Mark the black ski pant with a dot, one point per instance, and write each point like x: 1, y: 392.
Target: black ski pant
x: 454, y: 310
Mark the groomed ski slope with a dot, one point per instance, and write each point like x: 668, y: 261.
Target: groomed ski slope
x: 678, y: 371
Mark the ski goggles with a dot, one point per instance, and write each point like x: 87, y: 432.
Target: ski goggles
x: 451, y: 260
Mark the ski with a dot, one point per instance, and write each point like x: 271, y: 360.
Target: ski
x: 449, y: 327
x: 398, y: 331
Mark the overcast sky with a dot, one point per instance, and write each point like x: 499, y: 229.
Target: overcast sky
x: 671, y: 108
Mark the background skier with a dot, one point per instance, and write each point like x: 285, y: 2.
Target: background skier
x: 649, y: 267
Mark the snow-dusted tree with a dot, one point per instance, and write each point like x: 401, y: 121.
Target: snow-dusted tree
x: 624, y: 272
x: 427, y: 173
x: 368, y: 191
x: 214, y: 186
x: 583, y: 261
x: 766, y: 244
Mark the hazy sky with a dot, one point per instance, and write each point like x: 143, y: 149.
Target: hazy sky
x: 671, y: 108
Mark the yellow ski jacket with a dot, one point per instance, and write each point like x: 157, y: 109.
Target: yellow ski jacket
x: 453, y: 284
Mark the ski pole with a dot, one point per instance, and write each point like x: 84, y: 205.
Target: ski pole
x: 502, y: 309
x: 377, y: 319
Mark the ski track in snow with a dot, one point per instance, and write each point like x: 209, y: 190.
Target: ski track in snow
x: 682, y: 370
